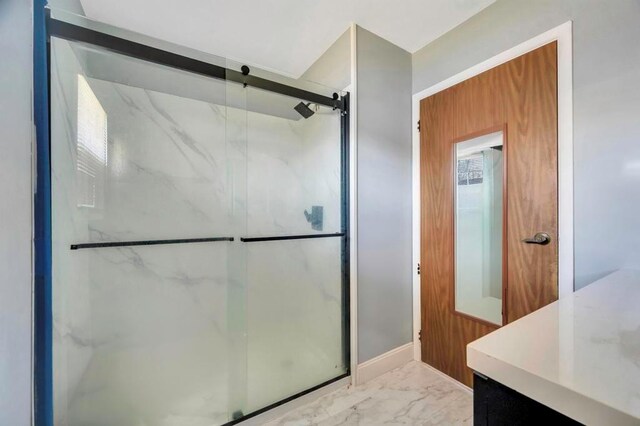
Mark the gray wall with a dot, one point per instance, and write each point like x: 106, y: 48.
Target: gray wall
x: 74, y: 6
x: 15, y: 212
x: 333, y: 68
x: 330, y: 72
x: 384, y: 195
x: 606, y: 110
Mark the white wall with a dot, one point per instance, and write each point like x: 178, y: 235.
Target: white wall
x: 15, y: 211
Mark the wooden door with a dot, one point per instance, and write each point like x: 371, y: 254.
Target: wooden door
x: 520, y: 98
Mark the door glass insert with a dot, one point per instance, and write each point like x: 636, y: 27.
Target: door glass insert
x: 479, y: 172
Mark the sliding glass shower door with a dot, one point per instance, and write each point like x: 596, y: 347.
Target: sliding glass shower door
x: 199, y: 243
x: 295, y: 312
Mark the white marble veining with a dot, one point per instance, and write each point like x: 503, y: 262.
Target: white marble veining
x: 579, y: 355
x: 411, y: 395
x: 189, y: 334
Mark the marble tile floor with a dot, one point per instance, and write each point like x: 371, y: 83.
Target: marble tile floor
x: 410, y: 395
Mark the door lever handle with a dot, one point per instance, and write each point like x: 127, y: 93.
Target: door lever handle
x: 541, y: 238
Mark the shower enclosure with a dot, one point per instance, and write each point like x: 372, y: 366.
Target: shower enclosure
x: 199, y: 235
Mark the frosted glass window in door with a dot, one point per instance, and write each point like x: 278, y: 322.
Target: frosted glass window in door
x: 479, y: 173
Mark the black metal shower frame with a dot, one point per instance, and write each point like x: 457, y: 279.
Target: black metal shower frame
x: 77, y: 33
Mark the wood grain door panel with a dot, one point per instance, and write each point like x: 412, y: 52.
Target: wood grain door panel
x: 519, y: 96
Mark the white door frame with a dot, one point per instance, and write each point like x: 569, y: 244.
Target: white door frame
x: 353, y: 206
x: 563, y: 35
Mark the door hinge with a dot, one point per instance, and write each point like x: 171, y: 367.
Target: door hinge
x: 418, y: 125
x: 418, y: 269
x: 420, y: 335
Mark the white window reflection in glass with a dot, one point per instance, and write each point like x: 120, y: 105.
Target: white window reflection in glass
x: 91, y: 146
x: 478, y: 227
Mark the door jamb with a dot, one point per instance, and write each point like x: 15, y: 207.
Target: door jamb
x: 563, y: 35
x: 353, y: 203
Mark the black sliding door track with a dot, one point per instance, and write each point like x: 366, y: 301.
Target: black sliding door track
x: 290, y: 237
x: 286, y: 400
x: 148, y: 242
x: 133, y: 49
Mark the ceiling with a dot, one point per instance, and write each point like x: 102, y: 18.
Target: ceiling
x: 285, y: 36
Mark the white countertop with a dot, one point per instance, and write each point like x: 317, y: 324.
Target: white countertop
x: 579, y: 355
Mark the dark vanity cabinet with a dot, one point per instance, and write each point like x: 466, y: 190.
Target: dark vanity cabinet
x: 496, y: 404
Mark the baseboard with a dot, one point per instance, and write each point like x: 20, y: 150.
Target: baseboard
x: 447, y: 377
x: 386, y: 362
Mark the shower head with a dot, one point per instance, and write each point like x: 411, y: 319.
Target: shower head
x: 304, y: 110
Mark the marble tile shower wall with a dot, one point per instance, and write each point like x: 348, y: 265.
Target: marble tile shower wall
x: 294, y: 303
x: 188, y: 334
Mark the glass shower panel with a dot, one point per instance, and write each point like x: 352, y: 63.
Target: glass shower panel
x: 295, y: 317
x: 478, y: 227
x: 236, y: 125
x: 166, y: 310
x: 128, y: 121
x: 139, y: 160
x: 293, y: 184
x: 295, y: 300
